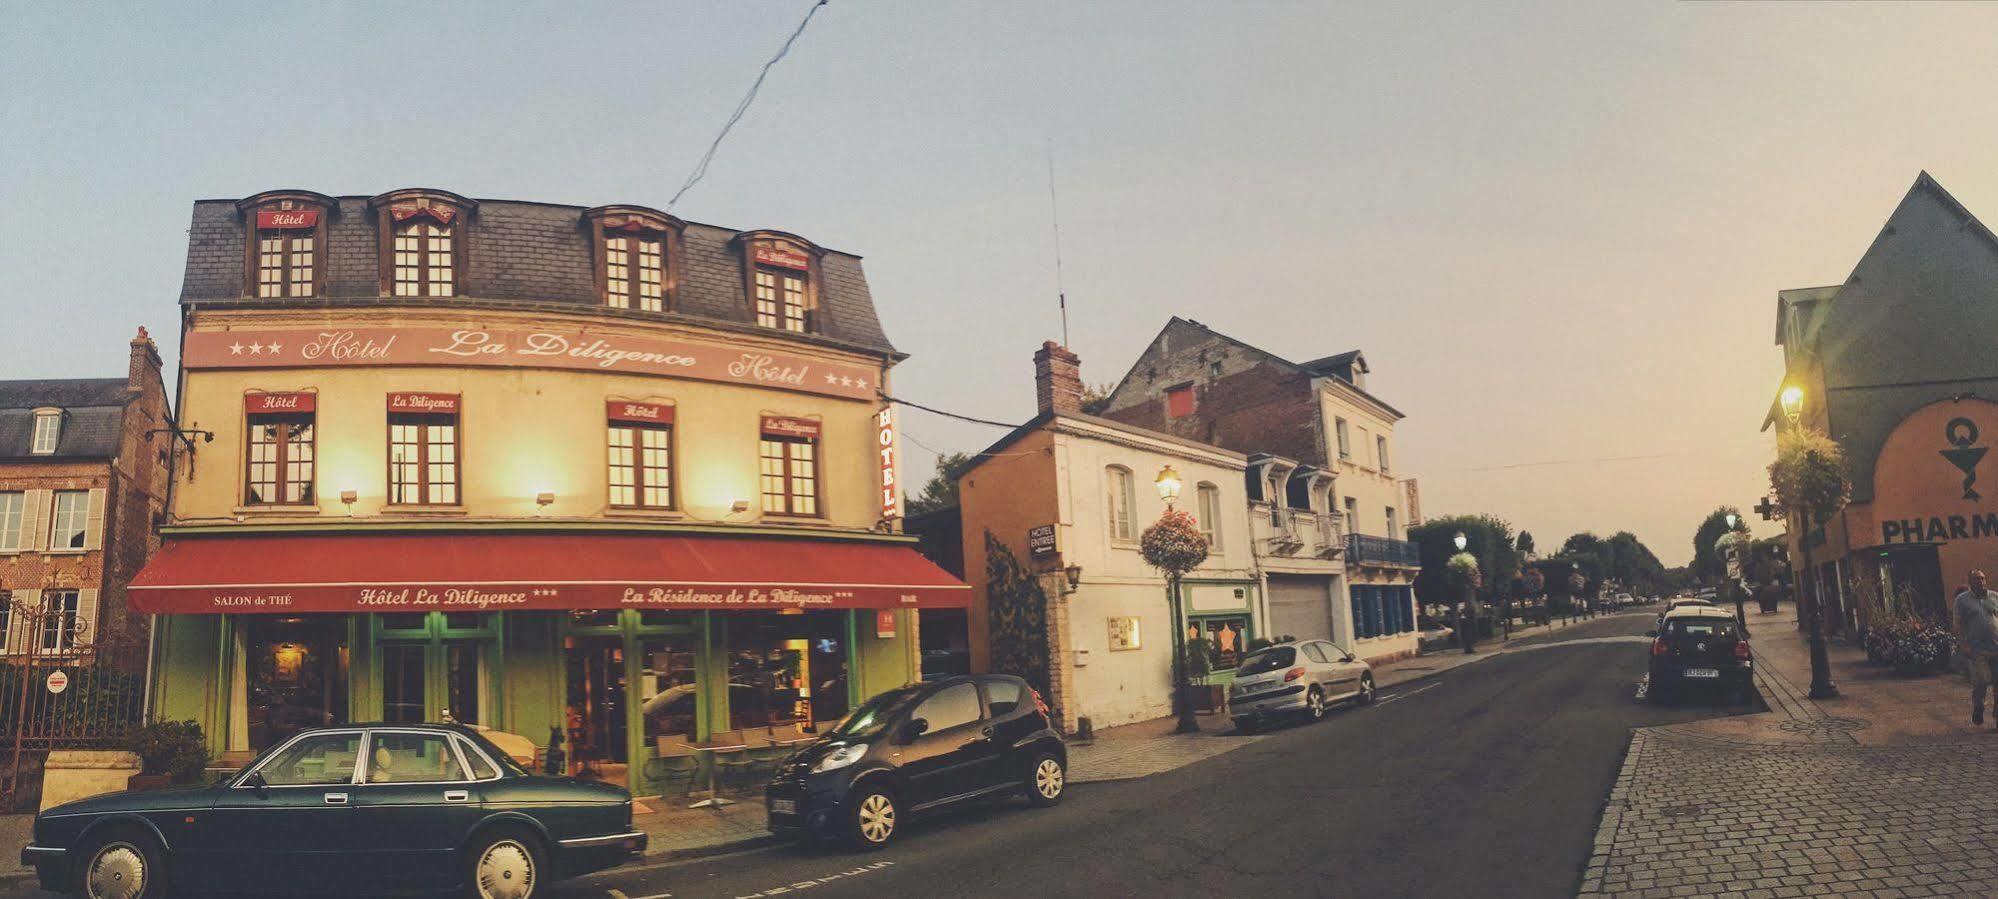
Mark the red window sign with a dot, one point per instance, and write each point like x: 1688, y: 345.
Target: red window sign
x: 640, y: 413
x: 277, y: 219
x: 884, y: 446
x: 430, y: 403
x: 884, y: 623
x: 268, y: 403
x: 779, y: 426
x: 782, y: 258
x: 441, y: 214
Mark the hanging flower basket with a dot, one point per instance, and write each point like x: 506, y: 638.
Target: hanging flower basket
x: 1174, y: 543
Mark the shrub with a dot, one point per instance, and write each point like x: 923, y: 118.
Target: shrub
x: 173, y: 748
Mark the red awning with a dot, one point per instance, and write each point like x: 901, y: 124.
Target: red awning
x: 419, y: 572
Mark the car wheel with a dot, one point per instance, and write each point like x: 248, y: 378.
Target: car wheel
x: 1047, y: 781
x: 1245, y: 725
x: 504, y: 865
x: 123, y: 863
x: 1314, y: 703
x: 871, y: 822
x: 1366, y: 689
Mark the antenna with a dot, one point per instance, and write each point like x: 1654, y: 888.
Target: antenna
x: 1054, y: 206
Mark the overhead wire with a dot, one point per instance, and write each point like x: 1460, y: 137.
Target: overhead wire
x: 701, y: 168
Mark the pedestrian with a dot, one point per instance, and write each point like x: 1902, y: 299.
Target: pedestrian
x: 1977, y: 625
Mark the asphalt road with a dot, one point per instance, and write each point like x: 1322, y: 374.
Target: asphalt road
x: 1483, y: 781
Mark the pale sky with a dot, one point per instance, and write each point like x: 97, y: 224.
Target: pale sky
x: 1557, y: 233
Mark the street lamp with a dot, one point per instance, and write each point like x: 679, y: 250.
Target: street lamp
x: 1792, y: 400
x: 1168, y: 483
x: 1461, y: 541
x: 1732, y: 521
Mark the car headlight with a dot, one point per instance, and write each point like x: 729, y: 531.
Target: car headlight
x: 840, y: 757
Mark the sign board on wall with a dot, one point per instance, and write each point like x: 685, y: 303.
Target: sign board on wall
x: 424, y: 403
x: 580, y: 350
x: 782, y: 257
x: 58, y: 681
x: 884, y: 445
x: 784, y: 426
x: 884, y: 623
x: 277, y: 403
x: 1041, y: 541
x: 638, y: 413
x: 280, y: 219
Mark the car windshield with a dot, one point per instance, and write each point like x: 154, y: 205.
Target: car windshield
x: 1269, y: 659
x: 873, y: 715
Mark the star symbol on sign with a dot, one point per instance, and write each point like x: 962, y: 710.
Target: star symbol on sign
x: 275, y: 347
x: 860, y: 383
x: 256, y: 349
x: 235, y: 349
x: 832, y: 379
x: 845, y: 381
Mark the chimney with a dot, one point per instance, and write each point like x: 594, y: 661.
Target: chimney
x: 1057, y: 379
x: 145, y: 365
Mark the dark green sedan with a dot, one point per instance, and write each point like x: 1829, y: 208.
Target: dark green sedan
x: 365, y: 809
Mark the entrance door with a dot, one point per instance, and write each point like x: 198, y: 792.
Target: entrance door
x: 297, y: 675
x: 404, y: 666
x: 596, y: 707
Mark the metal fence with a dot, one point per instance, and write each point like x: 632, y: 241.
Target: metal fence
x: 64, y: 684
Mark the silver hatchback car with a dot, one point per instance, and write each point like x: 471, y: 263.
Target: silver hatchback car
x: 1301, y: 676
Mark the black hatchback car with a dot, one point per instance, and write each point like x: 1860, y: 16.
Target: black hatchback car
x: 917, y: 748
x: 1699, y: 646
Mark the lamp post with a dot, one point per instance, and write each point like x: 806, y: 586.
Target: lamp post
x: 1575, y: 584
x: 1175, y: 567
x: 1729, y: 546
x: 1467, y: 619
x: 1808, y: 509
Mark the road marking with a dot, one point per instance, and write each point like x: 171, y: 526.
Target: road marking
x: 1387, y: 699
x: 619, y: 894
x: 816, y: 881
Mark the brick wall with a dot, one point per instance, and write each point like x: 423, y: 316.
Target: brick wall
x: 1252, y: 404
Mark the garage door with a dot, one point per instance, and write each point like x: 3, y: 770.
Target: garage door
x: 1299, y: 607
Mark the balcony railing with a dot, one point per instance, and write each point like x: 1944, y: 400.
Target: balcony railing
x: 1296, y: 532
x: 1362, y: 549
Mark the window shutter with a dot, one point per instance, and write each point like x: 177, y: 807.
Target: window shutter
x: 93, y: 521
x: 21, y: 624
x: 86, y: 617
x: 35, y: 522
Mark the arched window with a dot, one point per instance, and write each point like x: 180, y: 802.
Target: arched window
x: 1210, y: 514
x: 287, y: 239
x: 1122, y: 501
x: 781, y: 277
x: 638, y: 256
x: 422, y: 242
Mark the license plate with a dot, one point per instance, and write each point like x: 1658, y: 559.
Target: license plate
x: 1702, y: 672
x: 783, y: 806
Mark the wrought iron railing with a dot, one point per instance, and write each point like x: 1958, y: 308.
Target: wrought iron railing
x: 1365, y: 549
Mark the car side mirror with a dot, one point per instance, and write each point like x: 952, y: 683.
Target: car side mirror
x: 256, y: 782
x: 1348, y: 658
x: 916, y: 728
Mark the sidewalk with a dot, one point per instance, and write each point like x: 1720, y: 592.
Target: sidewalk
x: 1882, y: 791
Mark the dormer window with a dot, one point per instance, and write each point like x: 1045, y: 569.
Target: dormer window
x: 637, y: 252
x: 287, y: 238
x: 48, y: 431
x: 782, y: 280
x: 422, y: 242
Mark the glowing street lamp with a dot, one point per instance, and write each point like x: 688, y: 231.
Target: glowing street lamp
x: 1461, y: 541
x: 1168, y: 483
x: 1792, y: 400
x: 1732, y: 521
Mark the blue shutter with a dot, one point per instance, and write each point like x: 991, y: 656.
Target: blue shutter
x: 1359, y: 612
x: 1404, y: 598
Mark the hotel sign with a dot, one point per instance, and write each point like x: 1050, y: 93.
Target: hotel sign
x: 884, y: 445
x: 782, y: 258
x: 286, y: 219
x: 278, y: 403
x: 638, y: 413
x: 781, y: 426
x: 424, y: 403
x: 575, y: 350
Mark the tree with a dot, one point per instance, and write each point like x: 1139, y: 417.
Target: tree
x: 1808, y: 479
x: 1634, y: 565
x: 1708, y: 567
x: 1525, y: 543
x: 1488, y: 538
x: 941, y: 490
x: 1096, y: 397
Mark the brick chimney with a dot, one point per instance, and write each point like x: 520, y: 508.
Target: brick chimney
x: 1057, y: 379
x: 145, y: 365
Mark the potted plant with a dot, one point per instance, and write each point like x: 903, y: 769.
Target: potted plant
x: 1199, y: 664
x: 170, y: 752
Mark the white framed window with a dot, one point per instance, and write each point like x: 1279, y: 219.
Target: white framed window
x: 1121, y: 499
x: 59, y: 619
x: 635, y: 270
x: 48, y: 431
x: 284, y: 263
x: 1392, y: 532
x: 424, y: 261
x: 780, y: 299
x: 13, y: 507
x: 69, y: 519
x: 1210, y: 513
x: 641, y: 465
x: 1380, y: 452
x: 1345, y: 438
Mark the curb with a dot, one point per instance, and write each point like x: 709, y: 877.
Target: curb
x: 712, y: 849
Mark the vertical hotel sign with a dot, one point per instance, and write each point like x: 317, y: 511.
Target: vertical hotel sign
x: 884, y: 445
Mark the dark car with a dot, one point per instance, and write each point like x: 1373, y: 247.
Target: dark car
x: 363, y: 809
x: 1699, y: 646
x: 916, y: 748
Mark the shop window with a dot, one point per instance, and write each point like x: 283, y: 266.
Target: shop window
x: 1226, y: 637
x: 12, y: 506
x: 278, y: 465
x: 297, y: 675
x: 70, y: 521
x: 48, y: 432
x: 412, y: 758
x: 464, y: 680
x: 953, y: 706
x: 423, y: 449
x: 404, y: 621
x: 641, y: 455
x: 59, y: 620
x: 1179, y: 401
x: 465, y: 621
x: 790, y: 466
x: 667, y: 689
x: 787, y: 670
x: 321, y: 759
x: 1209, y: 504
x: 403, y: 683
x: 594, y: 618
x: 1121, y: 501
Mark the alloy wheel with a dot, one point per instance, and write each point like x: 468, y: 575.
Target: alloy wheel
x: 877, y: 818
x: 1316, y: 701
x: 1366, y: 691
x: 117, y: 871
x: 506, y: 871
x: 1049, y: 778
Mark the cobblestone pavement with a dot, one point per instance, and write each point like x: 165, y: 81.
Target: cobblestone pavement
x: 1697, y: 817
